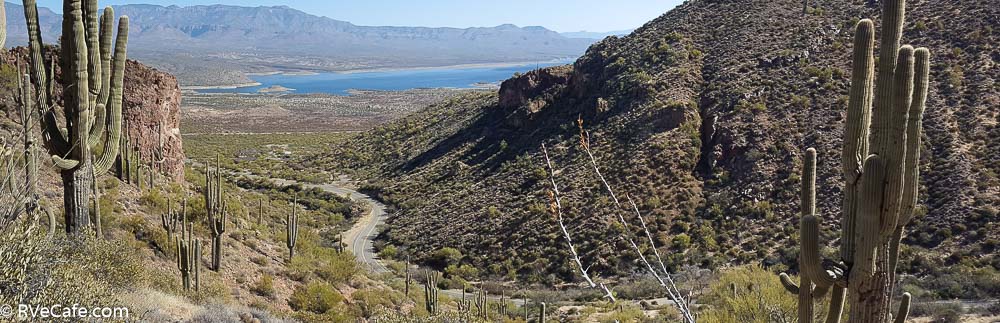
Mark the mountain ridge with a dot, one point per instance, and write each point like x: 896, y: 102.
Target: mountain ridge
x: 264, y: 39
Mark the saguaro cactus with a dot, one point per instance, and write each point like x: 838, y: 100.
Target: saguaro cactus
x: 188, y: 256
x: 502, y: 305
x: 431, y: 292
x: 28, y: 111
x: 482, y: 304
x: 3, y: 24
x: 215, y: 208
x: 409, y: 278
x: 292, y: 229
x: 92, y: 97
x: 880, y: 164
x: 541, y: 313
x: 170, y: 219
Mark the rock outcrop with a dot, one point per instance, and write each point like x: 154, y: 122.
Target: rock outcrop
x: 152, y: 112
x: 151, y: 108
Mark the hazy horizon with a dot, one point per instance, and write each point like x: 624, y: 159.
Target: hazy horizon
x: 558, y: 15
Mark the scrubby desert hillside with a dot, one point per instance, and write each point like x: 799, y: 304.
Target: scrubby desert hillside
x: 702, y: 116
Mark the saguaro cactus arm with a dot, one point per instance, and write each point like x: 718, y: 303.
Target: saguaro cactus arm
x: 113, y: 106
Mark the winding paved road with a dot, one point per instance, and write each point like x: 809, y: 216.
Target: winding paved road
x: 359, y: 239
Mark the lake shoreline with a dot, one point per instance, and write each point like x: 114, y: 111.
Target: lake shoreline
x: 368, y: 70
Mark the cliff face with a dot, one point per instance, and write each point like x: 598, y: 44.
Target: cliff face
x: 151, y: 104
x: 152, y: 113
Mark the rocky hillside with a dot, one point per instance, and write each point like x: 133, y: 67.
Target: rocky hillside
x: 702, y: 115
x: 151, y: 103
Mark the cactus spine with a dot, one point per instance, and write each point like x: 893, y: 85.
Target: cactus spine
x: 92, y: 107
x: 215, y: 207
x: 431, y: 292
x: 880, y: 164
x: 292, y: 229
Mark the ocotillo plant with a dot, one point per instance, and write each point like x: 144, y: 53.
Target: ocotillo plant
x: 431, y: 292
x: 92, y: 99
x: 880, y: 164
x: 292, y: 229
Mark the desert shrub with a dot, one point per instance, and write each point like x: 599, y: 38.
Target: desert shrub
x: 388, y: 252
x: 368, y: 300
x: 316, y: 297
x: 62, y: 270
x: 447, y: 256
x: 645, y: 287
x: 758, y: 297
x: 464, y: 271
x: 227, y: 313
x: 264, y: 286
x: 337, y: 268
x: 940, y: 312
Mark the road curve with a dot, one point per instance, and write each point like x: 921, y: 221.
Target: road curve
x: 360, y: 238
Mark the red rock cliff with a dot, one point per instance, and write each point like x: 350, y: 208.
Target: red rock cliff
x: 151, y: 103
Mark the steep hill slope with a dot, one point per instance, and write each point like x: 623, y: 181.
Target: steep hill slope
x: 702, y: 115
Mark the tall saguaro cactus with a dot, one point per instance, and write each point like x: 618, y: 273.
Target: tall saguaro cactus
x: 92, y: 99
x: 880, y: 165
x: 431, y: 292
x: 215, y: 207
x: 292, y: 229
x: 3, y: 23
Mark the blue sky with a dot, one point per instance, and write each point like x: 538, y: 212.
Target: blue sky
x: 558, y: 15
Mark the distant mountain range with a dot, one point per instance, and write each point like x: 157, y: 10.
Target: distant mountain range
x: 596, y: 35
x: 281, y: 38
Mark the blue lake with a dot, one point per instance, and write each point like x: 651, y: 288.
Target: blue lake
x: 340, y: 83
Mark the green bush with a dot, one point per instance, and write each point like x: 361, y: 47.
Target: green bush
x: 759, y: 297
x: 316, y: 297
x: 82, y: 270
x: 264, y: 286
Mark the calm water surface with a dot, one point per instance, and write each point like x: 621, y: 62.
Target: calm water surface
x: 340, y: 83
